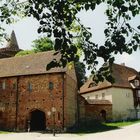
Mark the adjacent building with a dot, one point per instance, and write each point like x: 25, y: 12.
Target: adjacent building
x: 123, y: 95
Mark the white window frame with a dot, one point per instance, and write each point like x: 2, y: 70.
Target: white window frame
x: 30, y: 88
x: 127, y: 94
x: 4, y: 85
x: 96, y: 96
x: 138, y: 95
x: 103, y: 95
x: 136, y: 83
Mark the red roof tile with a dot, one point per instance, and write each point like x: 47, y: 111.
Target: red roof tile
x: 121, y: 74
x: 28, y: 64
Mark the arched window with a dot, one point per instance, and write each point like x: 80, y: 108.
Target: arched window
x: 29, y: 87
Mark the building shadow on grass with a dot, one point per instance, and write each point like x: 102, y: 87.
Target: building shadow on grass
x: 92, y: 127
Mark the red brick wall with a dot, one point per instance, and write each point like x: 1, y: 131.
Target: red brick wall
x: 40, y: 98
x: 94, y: 111
x: 15, y: 111
x: 8, y: 103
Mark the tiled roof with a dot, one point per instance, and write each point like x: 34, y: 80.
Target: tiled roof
x: 28, y: 64
x: 95, y: 101
x: 132, y: 77
x: 121, y: 74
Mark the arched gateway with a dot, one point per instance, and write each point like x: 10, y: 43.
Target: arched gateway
x: 37, y: 120
x: 103, y: 115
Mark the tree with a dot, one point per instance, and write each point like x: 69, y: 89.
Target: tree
x: 42, y: 44
x: 39, y: 45
x: 57, y: 16
x: 80, y: 70
x: 10, y: 12
x: 25, y: 52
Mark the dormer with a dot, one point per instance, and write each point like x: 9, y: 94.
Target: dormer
x: 134, y: 81
x: 92, y: 84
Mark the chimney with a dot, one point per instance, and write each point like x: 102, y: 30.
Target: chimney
x: 123, y: 64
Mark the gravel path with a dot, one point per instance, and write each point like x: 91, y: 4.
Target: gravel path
x: 127, y: 133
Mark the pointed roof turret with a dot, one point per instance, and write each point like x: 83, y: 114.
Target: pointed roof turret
x: 11, y: 48
x: 13, y: 42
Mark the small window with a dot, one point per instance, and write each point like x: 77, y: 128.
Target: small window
x: 96, y: 96
x: 51, y: 85
x: 138, y: 93
x: 29, y: 87
x: 136, y: 83
x: 4, y: 85
x: 127, y: 94
x: 103, y: 95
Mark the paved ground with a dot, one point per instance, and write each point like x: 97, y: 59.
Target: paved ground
x: 127, y: 133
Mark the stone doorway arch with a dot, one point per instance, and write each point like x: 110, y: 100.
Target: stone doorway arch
x: 37, y: 120
x: 103, y: 115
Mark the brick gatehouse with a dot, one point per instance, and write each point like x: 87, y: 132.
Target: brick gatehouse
x: 32, y: 97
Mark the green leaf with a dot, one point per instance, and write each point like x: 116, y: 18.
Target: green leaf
x: 135, y: 47
x: 138, y: 27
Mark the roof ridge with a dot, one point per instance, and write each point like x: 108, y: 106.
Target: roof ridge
x: 119, y: 72
x: 29, y: 64
x: 125, y: 66
x: 28, y: 55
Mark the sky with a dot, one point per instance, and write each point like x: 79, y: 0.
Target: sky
x: 26, y: 32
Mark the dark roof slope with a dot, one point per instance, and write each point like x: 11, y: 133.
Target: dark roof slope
x: 121, y: 74
x: 28, y: 64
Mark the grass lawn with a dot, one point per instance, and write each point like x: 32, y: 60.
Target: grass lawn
x: 95, y: 126
x: 121, y: 124
x: 4, y: 132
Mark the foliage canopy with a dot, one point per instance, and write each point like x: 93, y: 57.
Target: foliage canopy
x: 25, y: 52
x: 46, y: 44
x: 42, y: 44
